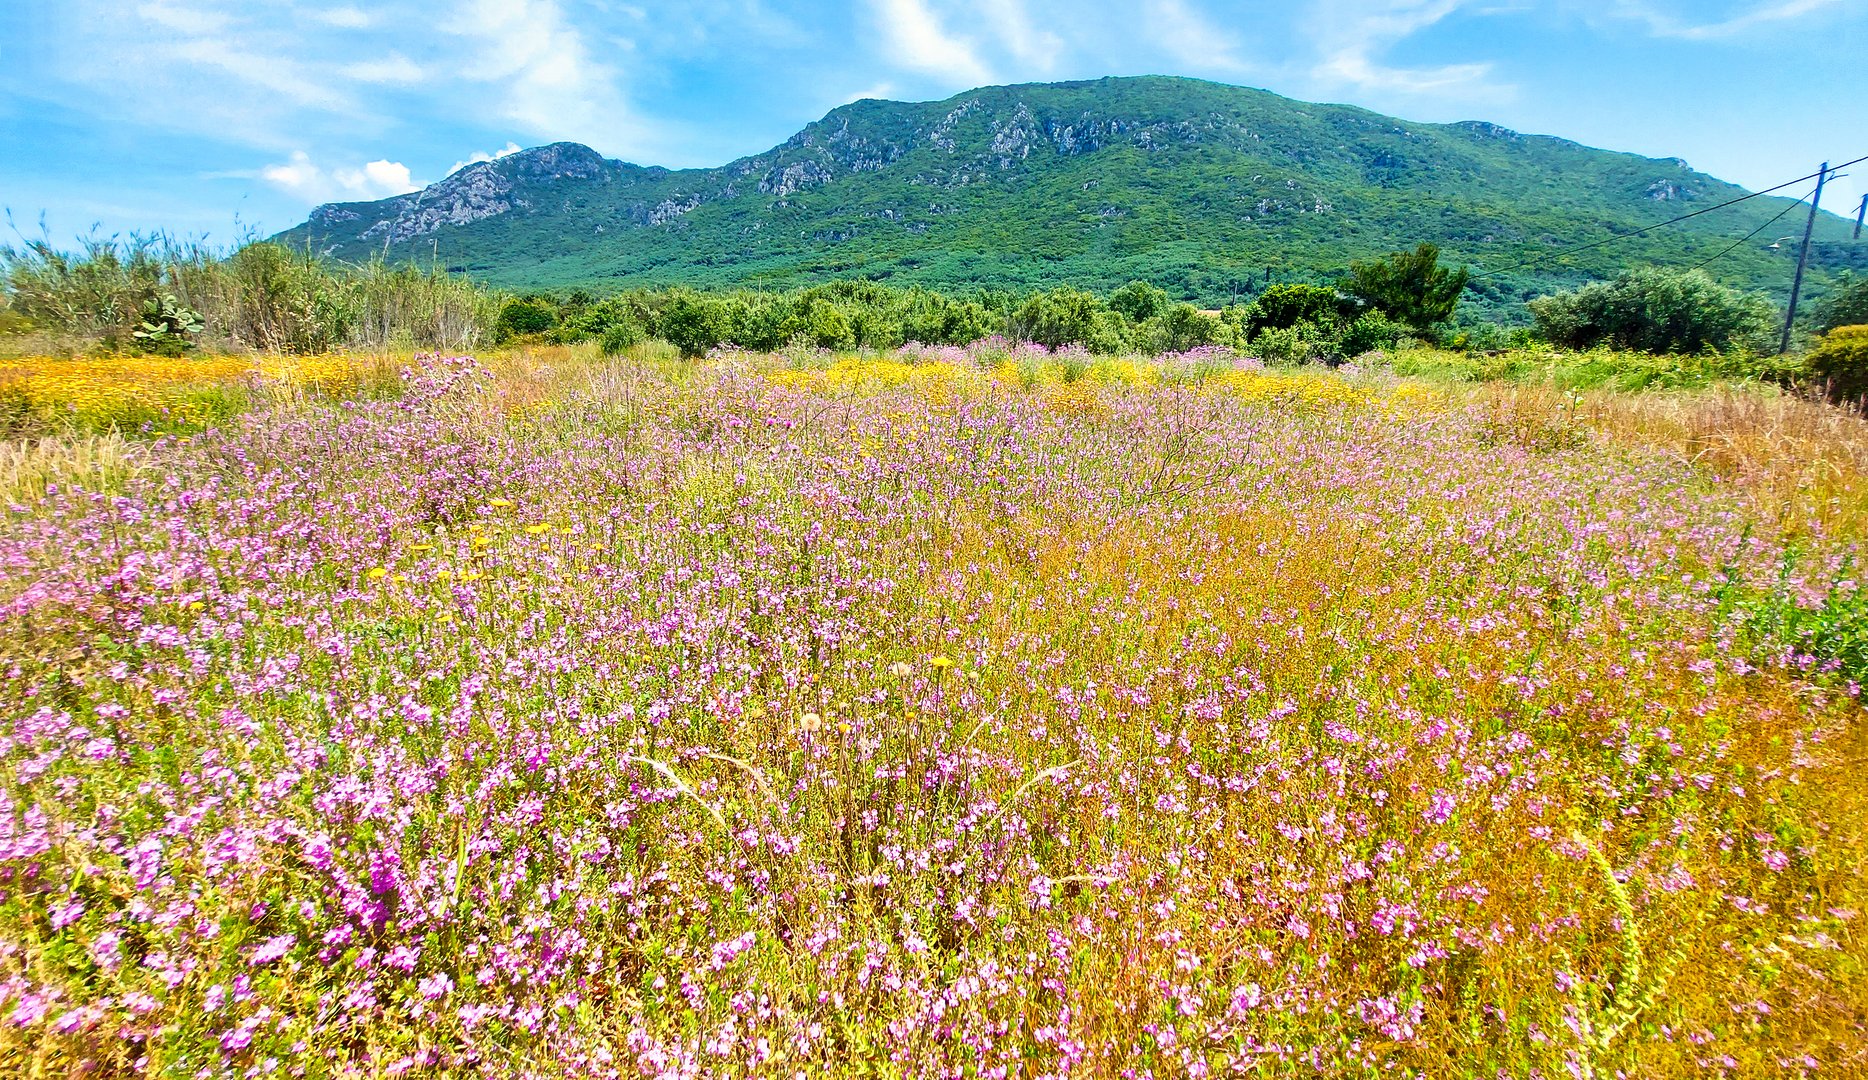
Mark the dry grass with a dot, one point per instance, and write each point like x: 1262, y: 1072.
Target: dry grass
x: 28, y: 467
x: 1800, y: 463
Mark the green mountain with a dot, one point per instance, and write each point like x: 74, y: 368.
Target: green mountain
x: 1207, y: 189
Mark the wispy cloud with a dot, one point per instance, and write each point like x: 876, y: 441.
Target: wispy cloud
x: 345, y: 17
x: 1191, y: 38
x: 1667, y: 24
x: 917, y: 41
x: 881, y: 90
x: 1036, y: 48
x: 281, y: 75
x: 389, y: 70
x: 1356, y: 35
x: 190, y: 20
x: 545, y: 77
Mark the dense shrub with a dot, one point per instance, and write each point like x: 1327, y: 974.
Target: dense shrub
x: 1370, y: 330
x: 823, y: 325
x: 1839, y: 363
x: 527, y: 315
x: 1284, y: 306
x: 1069, y: 317
x: 1658, y: 311
x: 1296, y: 344
x: 619, y: 336
x: 694, y: 323
x: 1410, y: 287
x: 1182, y: 327
x: 1138, y: 301
x: 1847, y: 305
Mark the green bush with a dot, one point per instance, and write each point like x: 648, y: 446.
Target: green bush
x: 1370, y: 331
x: 823, y: 325
x: 523, y: 316
x: 1839, y: 364
x: 1069, y: 317
x: 1286, y: 345
x: 1139, y: 301
x: 1656, y: 311
x: 1182, y: 327
x: 1410, y: 287
x: 1283, y: 306
x: 694, y: 323
x: 619, y: 336
x: 933, y: 319
x: 1846, y: 305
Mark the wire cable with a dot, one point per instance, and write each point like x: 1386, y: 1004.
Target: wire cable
x: 1663, y: 224
x: 1752, y: 233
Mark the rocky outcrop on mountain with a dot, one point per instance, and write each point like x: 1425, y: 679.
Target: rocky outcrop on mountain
x: 473, y: 193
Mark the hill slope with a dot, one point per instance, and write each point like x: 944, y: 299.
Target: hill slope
x: 1201, y: 187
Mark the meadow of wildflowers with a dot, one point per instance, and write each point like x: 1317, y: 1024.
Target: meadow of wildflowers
x: 924, y: 716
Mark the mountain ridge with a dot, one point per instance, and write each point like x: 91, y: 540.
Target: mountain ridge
x: 1202, y: 187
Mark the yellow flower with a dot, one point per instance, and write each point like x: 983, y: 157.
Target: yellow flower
x: 940, y: 662
x: 444, y: 574
x: 472, y: 575
x: 536, y: 530
x: 502, y: 503
x: 421, y: 547
x: 378, y: 573
x: 196, y: 606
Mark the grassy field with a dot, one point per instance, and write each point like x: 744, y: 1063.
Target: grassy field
x: 906, y: 716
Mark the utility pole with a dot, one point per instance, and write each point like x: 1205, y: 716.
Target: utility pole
x: 1859, y: 216
x: 1803, y: 258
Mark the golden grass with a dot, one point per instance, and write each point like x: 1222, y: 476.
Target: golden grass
x: 94, y: 462
x: 1801, y: 464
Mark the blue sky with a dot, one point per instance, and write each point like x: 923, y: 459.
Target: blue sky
x: 211, y: 116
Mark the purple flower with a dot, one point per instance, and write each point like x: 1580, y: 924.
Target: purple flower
x: 271, y: 950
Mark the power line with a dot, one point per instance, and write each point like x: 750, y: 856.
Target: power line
x: 1751, y: 234
x: 1662, y: 224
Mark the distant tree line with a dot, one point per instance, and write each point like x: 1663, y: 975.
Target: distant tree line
x: 1405, y: 295
x: 163, y: 297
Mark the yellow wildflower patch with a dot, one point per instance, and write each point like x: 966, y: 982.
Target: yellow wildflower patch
x: 171, y: 393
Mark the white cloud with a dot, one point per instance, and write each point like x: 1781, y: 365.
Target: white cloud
x: 183, y: 19
x: 881, y: 91
x: 478, y: 156
x: 1039, y: 50
x: 306, y: 180
x: 1356, y: 34
x: 1191, y: 38
x: 280, y: 75
x: 344, y: 18
x: 917, y: 41
x: 1666, y: 25
x: 392, y: 69
x: 545, y: 77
